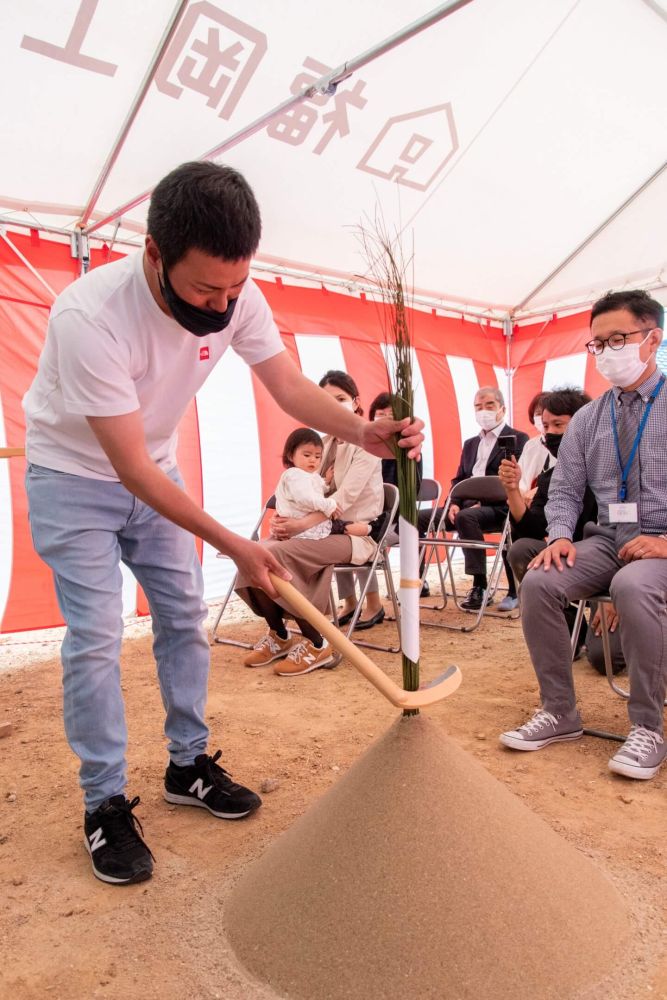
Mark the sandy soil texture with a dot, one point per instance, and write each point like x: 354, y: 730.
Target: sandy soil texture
x: 64, y: 934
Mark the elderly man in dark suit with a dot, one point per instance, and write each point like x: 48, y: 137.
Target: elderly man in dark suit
x: 481, y: 456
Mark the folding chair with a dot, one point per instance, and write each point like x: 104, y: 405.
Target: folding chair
x: 601, y: 600
x: 269, y: 505
x: 488, y: 490
x: 380, y: 560
x: 429, y: 492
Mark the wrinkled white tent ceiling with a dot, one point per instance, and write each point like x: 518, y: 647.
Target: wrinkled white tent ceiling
x: 500, y: 139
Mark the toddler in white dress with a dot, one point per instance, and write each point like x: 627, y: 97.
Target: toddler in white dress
x: 301, y: 490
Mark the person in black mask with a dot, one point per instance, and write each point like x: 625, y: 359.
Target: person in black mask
x: 528, y: 520
x: 128, y: 347
x: 529, y: 523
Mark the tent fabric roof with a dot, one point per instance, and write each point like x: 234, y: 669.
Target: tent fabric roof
x: 498, y: 140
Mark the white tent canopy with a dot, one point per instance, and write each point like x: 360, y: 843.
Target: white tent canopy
x: 506, y: 139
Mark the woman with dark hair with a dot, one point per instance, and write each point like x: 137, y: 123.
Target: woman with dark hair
x: 535, y: 457
x: 355, y: 483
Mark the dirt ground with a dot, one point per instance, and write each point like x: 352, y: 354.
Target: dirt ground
x: 66, y: 935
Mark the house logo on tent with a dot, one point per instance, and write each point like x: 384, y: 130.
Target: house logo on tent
x: 412, y: 149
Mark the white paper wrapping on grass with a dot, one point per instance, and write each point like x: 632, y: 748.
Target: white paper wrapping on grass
x: 409, y: 595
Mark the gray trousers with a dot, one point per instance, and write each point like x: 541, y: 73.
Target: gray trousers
x: 521, y: 553
x: 639, y: 592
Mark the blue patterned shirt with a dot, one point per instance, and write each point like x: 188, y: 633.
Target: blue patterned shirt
x: 587, y: 457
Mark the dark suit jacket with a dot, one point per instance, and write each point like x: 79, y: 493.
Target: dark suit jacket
x: 469, y: 455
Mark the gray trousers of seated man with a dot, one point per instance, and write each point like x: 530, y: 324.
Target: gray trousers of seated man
x: 639, y: 592
x: 522, y: 552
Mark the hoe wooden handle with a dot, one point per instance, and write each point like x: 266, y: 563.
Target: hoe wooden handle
x: 435, y: 691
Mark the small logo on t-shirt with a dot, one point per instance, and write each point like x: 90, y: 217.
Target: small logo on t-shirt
x: 203, y: 353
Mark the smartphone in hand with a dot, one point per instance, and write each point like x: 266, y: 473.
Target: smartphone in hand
x: 508, y: 446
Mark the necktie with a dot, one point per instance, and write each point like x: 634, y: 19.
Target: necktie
x: 627, y: 426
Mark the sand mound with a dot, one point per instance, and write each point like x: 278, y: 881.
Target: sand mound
x: 419, y: 875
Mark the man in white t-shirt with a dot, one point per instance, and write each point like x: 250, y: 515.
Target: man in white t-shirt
x: 127, y: 348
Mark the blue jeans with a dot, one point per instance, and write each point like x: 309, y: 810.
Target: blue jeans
x: 82, y: 528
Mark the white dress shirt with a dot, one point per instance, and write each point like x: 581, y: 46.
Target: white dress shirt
x: 487, y: 442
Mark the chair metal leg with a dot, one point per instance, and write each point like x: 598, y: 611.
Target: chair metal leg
x: 576, y: 628
x: 217, y: 639
x: 606, y: 648
x: 397, y: 614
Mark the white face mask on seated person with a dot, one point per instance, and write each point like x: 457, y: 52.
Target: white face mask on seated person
x: 488, y: 419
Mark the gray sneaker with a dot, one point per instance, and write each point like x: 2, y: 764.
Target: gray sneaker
x: 641, y: 755
x: 543, y: 729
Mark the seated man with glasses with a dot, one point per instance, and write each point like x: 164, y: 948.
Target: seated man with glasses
x: 615, y: 446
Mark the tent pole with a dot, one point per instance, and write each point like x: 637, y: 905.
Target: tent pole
x: 24, y: 260
x: 137, y: 103
x: 324, y: 85
x: 451, y: 308
x: 507, y: 333
x: 584, y: 304
x: 6, y: 220
x: 592, y: 236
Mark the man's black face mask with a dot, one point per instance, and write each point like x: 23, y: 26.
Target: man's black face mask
x: 552, y: 443
x: 201, y: 322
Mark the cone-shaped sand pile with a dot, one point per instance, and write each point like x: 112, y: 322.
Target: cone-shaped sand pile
x: 419, y: 875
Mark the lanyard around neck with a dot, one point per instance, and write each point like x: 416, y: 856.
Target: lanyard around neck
x: 625, y: 470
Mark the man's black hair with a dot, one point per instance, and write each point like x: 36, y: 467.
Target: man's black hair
x: 302, y: 435
x: 637, y: 302
x: 207, y: 207
x: 384, y: 401
x: 565, y: 402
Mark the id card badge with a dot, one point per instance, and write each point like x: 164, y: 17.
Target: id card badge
x: 619, y: 512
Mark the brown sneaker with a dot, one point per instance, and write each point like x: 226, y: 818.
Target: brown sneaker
x: 269, y: 648
x: 303, y: 658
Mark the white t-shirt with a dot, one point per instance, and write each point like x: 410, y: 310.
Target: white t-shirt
x: 111, y: 350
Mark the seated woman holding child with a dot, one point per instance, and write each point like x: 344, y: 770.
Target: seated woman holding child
x: 332, y: 492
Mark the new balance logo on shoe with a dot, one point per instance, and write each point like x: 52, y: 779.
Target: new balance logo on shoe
x: 114, y: 841
x: 207, y: 785
x: 197, y: 788
x: 96, y: 840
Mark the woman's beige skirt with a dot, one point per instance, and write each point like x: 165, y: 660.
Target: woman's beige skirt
x: 311, y: 562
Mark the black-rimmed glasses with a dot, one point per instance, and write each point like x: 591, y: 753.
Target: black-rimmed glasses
x: 615, y: 341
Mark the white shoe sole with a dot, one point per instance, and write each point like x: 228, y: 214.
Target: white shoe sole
x: 143, y: 877
x: 518, y: 744
x: 299, y: 673
x: 187, y: 800
x: 632, y: 770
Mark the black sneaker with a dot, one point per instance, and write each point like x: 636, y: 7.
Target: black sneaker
x: 117, y: 851
x: 474, y: 599
x: 209, y: 786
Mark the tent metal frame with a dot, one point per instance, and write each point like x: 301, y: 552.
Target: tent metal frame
x: 326, y: 84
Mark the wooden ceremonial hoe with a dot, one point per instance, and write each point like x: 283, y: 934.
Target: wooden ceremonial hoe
x: 429, y: 694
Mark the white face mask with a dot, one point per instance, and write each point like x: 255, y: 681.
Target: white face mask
x: 487, y: 419
x: 538, y: 424
x: 623, y: 367
x: 349, y: 404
